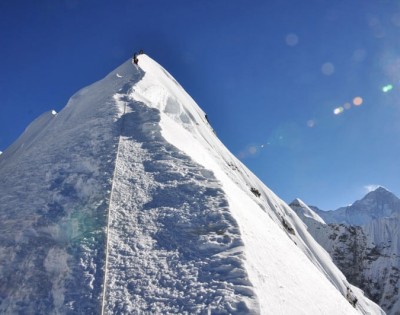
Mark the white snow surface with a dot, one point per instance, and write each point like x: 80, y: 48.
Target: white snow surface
x: 304, y: 212
x: 126, y: 202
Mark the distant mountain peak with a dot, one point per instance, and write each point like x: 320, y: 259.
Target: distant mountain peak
x: 380, y: 191
x: 381, y: 188
x: 297, y: 202
x: 380, y: 194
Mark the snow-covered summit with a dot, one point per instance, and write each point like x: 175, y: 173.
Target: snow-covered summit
x: 126, y: 202
x: 303, y: 211
x: 379, y: 203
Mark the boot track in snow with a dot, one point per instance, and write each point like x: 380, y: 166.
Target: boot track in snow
x: 172, y: 244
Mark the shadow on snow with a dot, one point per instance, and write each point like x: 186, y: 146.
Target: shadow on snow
x: 194, y: 232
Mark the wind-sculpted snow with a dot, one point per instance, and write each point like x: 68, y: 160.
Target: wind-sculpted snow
x: 54, y: 197
x: 173, y: 245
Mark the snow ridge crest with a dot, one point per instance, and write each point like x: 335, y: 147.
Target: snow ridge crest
x: 128, y: 202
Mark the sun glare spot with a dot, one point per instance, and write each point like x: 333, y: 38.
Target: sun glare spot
x: 338, y: 110
x: 250, y: 151
x: 253, y: 150
x: 347, y: 105
x: 328, y: 68
x: 387, y: 88
x: 311, y: 123
x: 292, y: 39
x: 357, y: 101
x: 376, y: 26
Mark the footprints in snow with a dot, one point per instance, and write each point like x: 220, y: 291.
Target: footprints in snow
x: 191, y: 254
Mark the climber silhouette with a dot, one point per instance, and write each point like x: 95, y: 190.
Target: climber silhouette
x: 135, y: 59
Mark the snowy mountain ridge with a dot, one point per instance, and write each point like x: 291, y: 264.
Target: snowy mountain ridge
x: 379, y: 203
x: 32, y: 131
x: 128, y: 203
x: 364, y: 241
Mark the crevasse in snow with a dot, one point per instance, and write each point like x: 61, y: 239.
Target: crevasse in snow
x: 127, y: 202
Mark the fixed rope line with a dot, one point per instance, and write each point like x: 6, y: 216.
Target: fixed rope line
x: 108, y: 214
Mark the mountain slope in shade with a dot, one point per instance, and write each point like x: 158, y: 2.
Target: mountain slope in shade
x: 126, y: 202
x: 364, y: 242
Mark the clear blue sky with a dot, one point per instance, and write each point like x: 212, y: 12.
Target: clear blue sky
x: 268, y: 73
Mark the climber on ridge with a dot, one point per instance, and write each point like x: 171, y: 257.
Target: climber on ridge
x: 135, y: 58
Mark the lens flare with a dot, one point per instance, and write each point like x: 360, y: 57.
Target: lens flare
x: 387, y: 88
x: 328, y: 68
x: 311, y: 123
x: 292, y: 39
x: 347, y: 105
x: 357, y: 101
x: 338, y: 110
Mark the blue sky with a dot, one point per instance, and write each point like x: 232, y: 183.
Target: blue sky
x: 270, y: 74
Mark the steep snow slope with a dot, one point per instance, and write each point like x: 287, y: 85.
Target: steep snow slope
x: 183, y: 125
x: 340, y: 241
x: 29, y: 135
x: 55, y: 184
x: 128, y: 203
